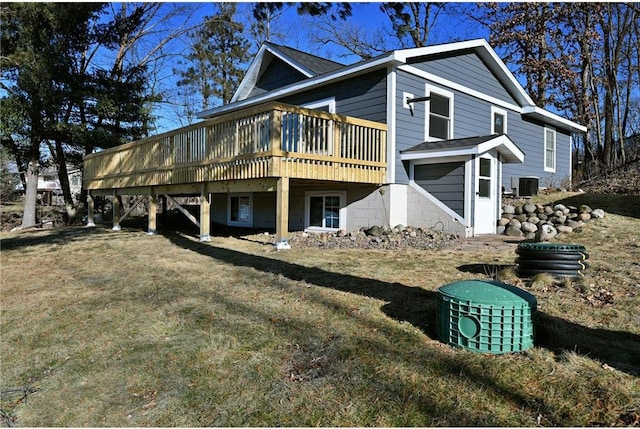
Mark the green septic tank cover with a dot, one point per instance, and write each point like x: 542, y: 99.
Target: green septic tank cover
x: 486, y: 292
x: 553, y: 247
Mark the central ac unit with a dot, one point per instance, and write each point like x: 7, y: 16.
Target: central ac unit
x: 525, y: 186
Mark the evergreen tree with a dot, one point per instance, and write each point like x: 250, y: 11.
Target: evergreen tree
x: 217, y: 56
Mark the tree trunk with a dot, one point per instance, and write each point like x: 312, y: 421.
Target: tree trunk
x: 63, y: 176
x: 31, y: 195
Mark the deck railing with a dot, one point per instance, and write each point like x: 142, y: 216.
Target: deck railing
x: 271, y: 140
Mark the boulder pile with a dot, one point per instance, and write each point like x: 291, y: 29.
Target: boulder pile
x: 376, y: 237
x: 542, y: 223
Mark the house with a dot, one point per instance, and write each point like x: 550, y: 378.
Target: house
x: 424, y: 137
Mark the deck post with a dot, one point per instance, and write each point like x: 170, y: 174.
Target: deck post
x: 90, y: 211
x: 205, y: 216
x: 282, y: 213
x: 153, y: 210
x: 117, y: 204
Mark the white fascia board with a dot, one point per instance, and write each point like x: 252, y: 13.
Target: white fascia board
x: 516, y: 154
x: 301, y: 86
x: 460, y: 88
x: 253, y: 72
x: 485, y: 51
x: 251, y: 76
x: 509, y: 150
x: 437, y: 154
x: 552, y: 118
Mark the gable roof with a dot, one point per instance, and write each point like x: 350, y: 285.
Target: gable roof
x: 319, y: 72
x: 307, y: 64
x: 478, y: 145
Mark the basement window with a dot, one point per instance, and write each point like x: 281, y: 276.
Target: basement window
x: 325, y: 211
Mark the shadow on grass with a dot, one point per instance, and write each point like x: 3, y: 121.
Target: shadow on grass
x: 417, y: 306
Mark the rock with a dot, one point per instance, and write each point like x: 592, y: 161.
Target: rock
x: 519, y: 210
x: 546, y: 233
x: 512, y: 231
x: 564, y: 228
x: 399, y: 227
x: 548, y: 210
x: 522, y: 217
x: 508, y: 215
x: 528, y: 227
x: 574, y: 224
x: 584, y: 216
x: 530, y: 236
x: 413, y: 234
x: 558, y: 220
x: 500, y: 229
x: 503, y: 221
x: 375, y: 231
x: 515, y: 223
x: 559, y: 207
x: 598, y: 214
x: 585, y: 209
x: 542, y: 216
x: 566, y: 211
x: 533, y: 219
x: 529, y: 208
x: 509, y: 209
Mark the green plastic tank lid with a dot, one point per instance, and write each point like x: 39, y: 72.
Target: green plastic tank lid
x: 486, y: 292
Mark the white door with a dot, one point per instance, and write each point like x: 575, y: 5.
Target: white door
x: 486, y: 198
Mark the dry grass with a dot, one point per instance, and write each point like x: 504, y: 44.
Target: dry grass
x: 123, y: 329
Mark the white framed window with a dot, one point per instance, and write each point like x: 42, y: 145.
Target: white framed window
x: 498, y: 121
x: 325, y: 211
x: 240, y: 210
x: 439, y: 108
x: 326, y: 105
x: 549, y: 149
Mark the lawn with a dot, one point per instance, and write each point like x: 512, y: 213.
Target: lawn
x: 104, y: 328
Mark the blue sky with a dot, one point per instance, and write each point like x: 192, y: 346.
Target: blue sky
x: 300, y: 31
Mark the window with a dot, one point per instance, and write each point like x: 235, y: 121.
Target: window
x: 240, y: 211
x: 440, y: 120
x: 498, y: 121
x: 549, y: 149
x: 325, y: 211
x: 484, y: 179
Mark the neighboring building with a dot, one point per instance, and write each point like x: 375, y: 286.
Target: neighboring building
x: 423, y: 137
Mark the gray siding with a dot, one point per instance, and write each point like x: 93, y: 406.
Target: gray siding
x: 445, y: 181
x: 362, y: 97
x: 529, y: 136
x: 472, y: 117
x: 277, y: 75
x: 466, y: 69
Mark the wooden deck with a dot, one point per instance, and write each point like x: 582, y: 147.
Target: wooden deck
x: 269, y: 141
x: 257, y: 149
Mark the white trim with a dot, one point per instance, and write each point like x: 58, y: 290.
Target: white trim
x: 502, y: 112
x: 398, y: 200
x: 499, y: 67
x: 551, y: 169
x: 516, y: 154
x: 391, y: 123
x: 253, y: 72
x: 230, y: 222
x: 342, y: 212
x: 427, y: 111
x: 423, y: 160
x: 570, y: 158
x: 328, y: 102
x: 557, y: 120
x: 460, y: 88
x: 347, y: 71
